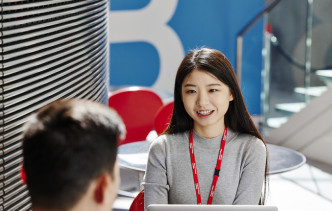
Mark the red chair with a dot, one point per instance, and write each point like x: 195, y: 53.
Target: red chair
x: 138, y: 202
x: 137, y: 106
x: 163, y: 117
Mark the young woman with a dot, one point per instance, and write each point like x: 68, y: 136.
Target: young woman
x: 211, y: 153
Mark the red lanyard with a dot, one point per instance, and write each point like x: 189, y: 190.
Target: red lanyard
x: 217, y: 170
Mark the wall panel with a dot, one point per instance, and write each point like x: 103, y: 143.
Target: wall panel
x: 48, y: 50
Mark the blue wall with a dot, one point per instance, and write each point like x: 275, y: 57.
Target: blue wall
x: 194, y: 23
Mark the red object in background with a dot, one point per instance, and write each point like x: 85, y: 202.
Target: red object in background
x: 268, y: 28
x: 23, y: 176
x: 138, y: 203
x: 137, y: 107
x: 163, y: 117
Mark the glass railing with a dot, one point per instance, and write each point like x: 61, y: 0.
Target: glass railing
x: 295, y: 57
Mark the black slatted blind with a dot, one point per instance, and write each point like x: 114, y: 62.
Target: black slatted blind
x: 48, y: 50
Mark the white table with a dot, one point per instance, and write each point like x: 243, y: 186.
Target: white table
x: 134, y: 156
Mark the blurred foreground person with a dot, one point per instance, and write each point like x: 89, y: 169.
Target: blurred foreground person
x: 69, y: 150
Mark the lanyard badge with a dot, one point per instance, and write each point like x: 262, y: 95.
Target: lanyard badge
x: 217, y: 170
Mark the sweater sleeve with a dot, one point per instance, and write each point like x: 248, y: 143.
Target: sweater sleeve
x: 155, y: 180
x: 252, y: 176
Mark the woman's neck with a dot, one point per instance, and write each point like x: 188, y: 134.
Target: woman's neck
x: 209, y: 132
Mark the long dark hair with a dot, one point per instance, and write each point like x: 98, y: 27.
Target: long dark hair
x: 237, y: 117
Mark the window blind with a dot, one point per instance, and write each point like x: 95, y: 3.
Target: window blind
x: 48, y: 50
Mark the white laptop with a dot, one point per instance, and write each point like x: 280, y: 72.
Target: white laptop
x: 185, y: 207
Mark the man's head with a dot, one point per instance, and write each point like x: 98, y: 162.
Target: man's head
x: 69, y: 150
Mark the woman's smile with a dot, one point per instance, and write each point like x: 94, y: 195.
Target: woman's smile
x: 204, y: 113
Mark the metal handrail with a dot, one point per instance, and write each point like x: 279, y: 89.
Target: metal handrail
x: 239, y: 38
x: 308, y: 45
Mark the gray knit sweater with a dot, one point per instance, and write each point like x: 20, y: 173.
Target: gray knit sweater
x: 169, y: 178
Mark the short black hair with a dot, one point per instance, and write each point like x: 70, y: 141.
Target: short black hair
x: 66, y: 145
